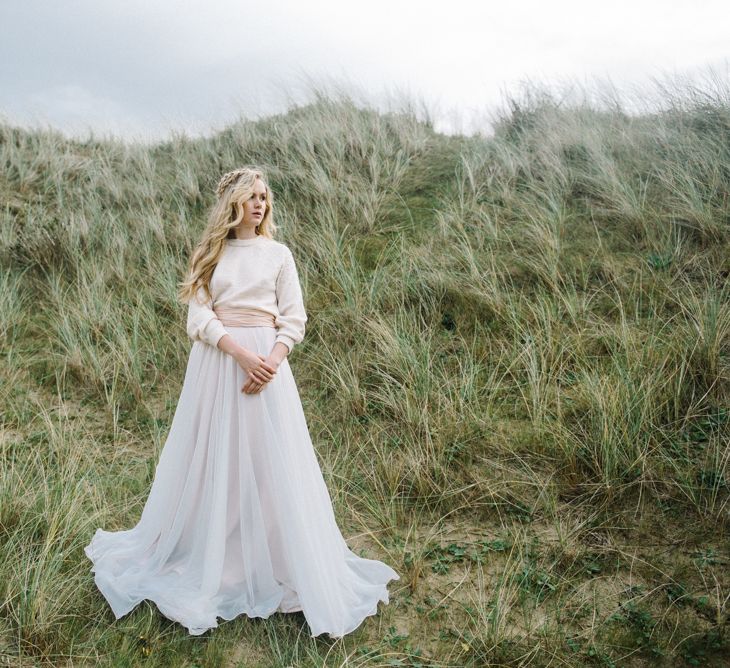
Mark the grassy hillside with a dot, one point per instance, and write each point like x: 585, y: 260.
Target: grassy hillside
x: 516, y: 376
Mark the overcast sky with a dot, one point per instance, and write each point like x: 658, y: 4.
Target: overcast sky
x: 138, y: 68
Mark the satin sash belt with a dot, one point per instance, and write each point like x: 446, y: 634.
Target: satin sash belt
x: 244, y: 317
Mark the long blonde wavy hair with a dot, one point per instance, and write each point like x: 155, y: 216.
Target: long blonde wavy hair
x: 233, y: 190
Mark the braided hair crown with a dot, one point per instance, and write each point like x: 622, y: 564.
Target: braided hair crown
x: 229, y: 179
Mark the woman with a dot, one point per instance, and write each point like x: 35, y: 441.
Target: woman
x: 238, y: 519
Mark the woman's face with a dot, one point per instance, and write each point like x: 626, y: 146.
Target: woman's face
x: 254, y: 207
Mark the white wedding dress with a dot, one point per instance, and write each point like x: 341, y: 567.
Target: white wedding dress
x: 238, y: 519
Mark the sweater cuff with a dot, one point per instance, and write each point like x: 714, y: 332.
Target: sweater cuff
x: 214, y: 331
x: 286, y: 340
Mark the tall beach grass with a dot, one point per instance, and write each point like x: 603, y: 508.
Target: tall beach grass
x: 515, y: 374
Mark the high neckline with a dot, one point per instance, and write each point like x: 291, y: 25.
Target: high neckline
x: 244, y: 242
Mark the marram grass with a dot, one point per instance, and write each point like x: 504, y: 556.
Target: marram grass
x: 515, y: 374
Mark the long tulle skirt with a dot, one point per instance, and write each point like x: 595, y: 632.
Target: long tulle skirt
x: 238, y: 519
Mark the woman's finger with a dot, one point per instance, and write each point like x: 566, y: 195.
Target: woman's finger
x: 252, y: 387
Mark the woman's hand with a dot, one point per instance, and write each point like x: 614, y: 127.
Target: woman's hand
x: 260, y: 369
x: 277, y: 355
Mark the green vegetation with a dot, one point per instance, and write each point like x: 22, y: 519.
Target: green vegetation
x: 515, y: 374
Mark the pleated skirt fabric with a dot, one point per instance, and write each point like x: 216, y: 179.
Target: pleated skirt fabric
x: 238, y: 519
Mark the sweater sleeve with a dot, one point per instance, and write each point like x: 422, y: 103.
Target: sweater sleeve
x: 292, y: 316
x: 203, y: 324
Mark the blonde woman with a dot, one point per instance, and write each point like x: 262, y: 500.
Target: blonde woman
x: 239, y: 519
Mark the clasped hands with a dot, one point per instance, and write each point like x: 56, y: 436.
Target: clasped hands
x: 259, y: 368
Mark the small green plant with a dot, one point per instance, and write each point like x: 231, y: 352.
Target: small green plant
x: 640, y: 625
x: 537, y: 582
x: 707, y: 557
x: 659, y: 261
x: 443, y: 557
x: 599, y: 657
x: 393, y: 638
x: 698, y: 649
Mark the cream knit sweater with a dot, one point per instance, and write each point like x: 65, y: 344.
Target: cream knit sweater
x: 257, y: 273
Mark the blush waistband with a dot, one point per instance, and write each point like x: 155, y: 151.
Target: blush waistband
x: 244, y: 317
